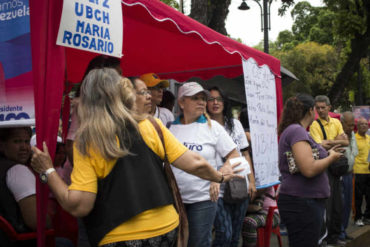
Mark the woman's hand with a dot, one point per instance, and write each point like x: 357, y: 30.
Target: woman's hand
x: 335, y: 152
x: 228, y: 171
x: 214, y: 191
x: 252, y: 190
x: 41, y: 160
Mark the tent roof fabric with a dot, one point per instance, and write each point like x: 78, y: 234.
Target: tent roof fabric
x: 158, y: 38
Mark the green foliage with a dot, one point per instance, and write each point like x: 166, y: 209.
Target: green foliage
x: 351, y: 16
x: 315, y: 65
x: 339, y: 26
x: 172, y: 3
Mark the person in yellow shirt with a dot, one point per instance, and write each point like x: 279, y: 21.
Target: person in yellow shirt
x: 332, y: 135
x: 362, y: 173
x: 118, y: 182
x: 332, y: 126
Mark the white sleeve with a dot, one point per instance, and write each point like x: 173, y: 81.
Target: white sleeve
x: 224, y: 143
x: 21, y: 182
x: 239, y: 135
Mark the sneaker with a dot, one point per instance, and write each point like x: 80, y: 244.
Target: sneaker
x: 359, y: 222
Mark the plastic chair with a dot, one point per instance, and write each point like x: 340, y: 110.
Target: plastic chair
x: 264, y: 233
x: 8, y: 229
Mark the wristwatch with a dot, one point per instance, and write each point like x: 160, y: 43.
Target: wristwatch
x: 44, y: 175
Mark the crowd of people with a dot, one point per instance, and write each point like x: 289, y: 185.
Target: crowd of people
x: 112, y: 173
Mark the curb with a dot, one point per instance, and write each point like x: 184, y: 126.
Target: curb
x: 361, y: 237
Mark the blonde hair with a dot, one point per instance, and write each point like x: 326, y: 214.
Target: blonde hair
x: 104, y: 113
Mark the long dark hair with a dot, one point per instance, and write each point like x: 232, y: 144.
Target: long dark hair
x: 295, y: 109
x: 226, y: 112
x: 243, y: 118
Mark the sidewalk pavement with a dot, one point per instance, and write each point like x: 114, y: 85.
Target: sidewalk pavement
x: 361, y: 236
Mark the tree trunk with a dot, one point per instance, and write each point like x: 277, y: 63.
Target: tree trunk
x: 211, y: 13
x: 199, y: 11
x: 220, y: 10
x: 359, y: 48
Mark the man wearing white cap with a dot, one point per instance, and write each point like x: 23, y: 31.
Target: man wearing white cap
x: 156, y: 86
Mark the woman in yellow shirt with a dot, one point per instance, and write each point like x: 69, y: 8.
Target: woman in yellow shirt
x: 118, y: 183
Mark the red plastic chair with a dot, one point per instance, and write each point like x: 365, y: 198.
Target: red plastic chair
x: 264, y: 233
x: 8, y: 229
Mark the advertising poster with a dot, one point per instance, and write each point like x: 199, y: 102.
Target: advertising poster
x: 16, y: 87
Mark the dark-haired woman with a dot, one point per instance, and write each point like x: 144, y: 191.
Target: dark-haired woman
x: 229, y: 216
x: 302, y: 164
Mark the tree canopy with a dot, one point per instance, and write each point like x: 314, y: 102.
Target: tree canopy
x: 328, y: 48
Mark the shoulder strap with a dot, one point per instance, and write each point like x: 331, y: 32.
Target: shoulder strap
x: 322, y: 128
x: 183, y: 226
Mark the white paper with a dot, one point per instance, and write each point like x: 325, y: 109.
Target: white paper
x: 243, y: 165
x: 94, y: 25
x: 260, y: 93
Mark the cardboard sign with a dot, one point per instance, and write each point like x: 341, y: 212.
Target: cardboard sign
x: 16, y: 87
x: 92, y: 25
x: 260, y: 92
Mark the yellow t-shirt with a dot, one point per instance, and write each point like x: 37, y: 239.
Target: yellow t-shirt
x: 333, y: 128
x: 361, y: 165
x: 150, y: 223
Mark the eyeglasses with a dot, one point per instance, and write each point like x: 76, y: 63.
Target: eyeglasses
x: 219, y: 99
x: 144, y: 92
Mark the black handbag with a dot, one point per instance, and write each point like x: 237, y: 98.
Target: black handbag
x: 236, y: 190
x: 337, y: 168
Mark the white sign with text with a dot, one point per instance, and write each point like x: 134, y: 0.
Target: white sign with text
x: 260, y: 93
x: 92, y: 25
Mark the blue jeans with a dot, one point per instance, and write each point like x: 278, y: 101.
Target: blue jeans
x: 347, y: 202
x: 228, y: 223
x: 201, y: 216
x: 303, y: 218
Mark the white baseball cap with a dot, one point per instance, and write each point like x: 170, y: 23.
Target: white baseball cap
x: 190, y: 89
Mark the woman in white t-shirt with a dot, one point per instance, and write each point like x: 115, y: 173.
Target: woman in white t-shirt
x: 210, y: 140
x: 229, y: 216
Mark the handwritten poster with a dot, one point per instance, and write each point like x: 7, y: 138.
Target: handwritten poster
x: 16, y: 86
x: 260, y: 93
x: 92, y: 25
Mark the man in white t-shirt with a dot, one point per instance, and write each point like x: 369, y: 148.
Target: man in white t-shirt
x: 156, y: 87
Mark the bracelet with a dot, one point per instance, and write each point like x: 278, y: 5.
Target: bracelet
x: 222, y: 178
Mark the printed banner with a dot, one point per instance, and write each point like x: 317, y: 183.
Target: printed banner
x: 16, y: 87
x: 260, y: 92
x: 92, y: 25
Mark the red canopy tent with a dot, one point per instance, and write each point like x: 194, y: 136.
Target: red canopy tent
x: 156, y: 38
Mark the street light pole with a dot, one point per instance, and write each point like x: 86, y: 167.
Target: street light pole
x: 265, y: 20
